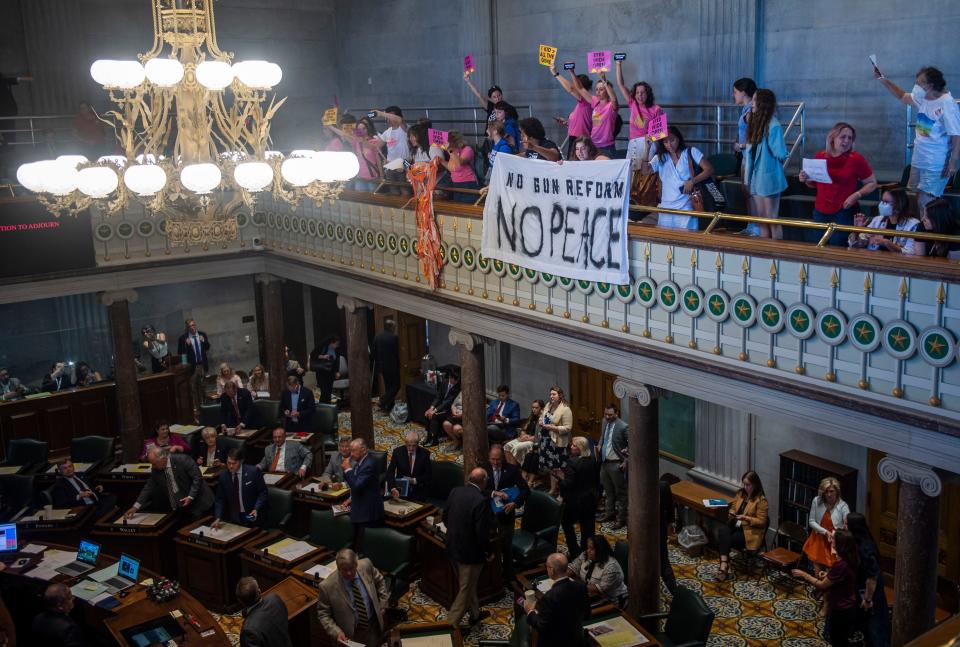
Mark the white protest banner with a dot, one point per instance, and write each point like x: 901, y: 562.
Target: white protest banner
x: 565, y: 219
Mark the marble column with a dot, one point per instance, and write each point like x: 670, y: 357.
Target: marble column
x: 474, y: 398
x: 358, y: 364
x: 918, y: 526
x: 271, y: 295
x: 643, y: 504
x: 125, y: 372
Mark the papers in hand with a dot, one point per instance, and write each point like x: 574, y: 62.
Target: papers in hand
x: 226, y: 532
x: 545, y: 585
x: 715, y: 503
x: 816, y: 170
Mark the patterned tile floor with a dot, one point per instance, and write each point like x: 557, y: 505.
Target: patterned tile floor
x: 750, y: 610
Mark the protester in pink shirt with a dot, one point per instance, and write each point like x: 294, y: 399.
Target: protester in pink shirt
x: 603, y: 116
x: 643, y: 108
x: 579, y: 123
x: 460, y: 165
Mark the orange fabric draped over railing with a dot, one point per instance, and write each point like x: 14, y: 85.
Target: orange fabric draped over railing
x: 423, y: 179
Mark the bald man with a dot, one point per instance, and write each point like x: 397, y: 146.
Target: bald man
x: 54, y: 626
x: 469, y: 521
x: 411, y: 462
x: 559, y: 615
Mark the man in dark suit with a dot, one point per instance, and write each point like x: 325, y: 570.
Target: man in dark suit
x: 411, y: 462
x: 175, y: 483
x: 559, y: 615
x: 194, y: 344
x: 386, y: 364
x: 440, y: 409
x: 298, y: 405
x: 71, y: 490
x: 265, y: 622
x: 502, y: 476
x: 242, y: 493
x: 236, y: 407
x: 469, y: 522
x: 503, y: 416
x: 667, y: 520
x: 612, y: 456
x: 366, y: 500
x: 53, y: 625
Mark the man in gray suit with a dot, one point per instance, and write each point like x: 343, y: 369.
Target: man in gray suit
x: 333, y: 472
x: 175, y: 484
x: 265, y: 622
x: 612, y: 454
x: 351, y: 601
x: 284, y: 455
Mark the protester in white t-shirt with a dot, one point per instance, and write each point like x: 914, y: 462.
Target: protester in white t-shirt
x: 936, y: 144
x: 395, y: 137
x: 671, y: 161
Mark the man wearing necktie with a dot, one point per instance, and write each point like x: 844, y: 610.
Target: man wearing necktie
x: 350, y: 603
x: 503, y: 416
x: 236, y: 407
x: 410, y: 462
x: 613, y: 457
x: 175, y: 484
x: 503, y: 477
x: 194, y: 346
x: 440, y: 409
x: 71, y: 490
x: 284, y: 455
x: 241, y: 493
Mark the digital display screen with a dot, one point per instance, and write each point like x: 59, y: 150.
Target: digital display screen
x: 8, y: 537
x: 128, y: 567
x: 88, y: 552
x: 34, y: 241
x: 155, y: 636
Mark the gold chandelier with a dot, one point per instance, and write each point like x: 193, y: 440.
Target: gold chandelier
x: 219, y: 156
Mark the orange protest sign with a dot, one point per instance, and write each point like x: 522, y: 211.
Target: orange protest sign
x: 547, y: 55
x: 330, y: 117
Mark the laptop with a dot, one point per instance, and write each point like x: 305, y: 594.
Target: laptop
x: 86, y: 560
x: 127, y: 570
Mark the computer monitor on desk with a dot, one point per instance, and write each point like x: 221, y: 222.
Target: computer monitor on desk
x: 8, y: 538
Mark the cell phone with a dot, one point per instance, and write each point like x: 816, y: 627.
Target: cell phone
x: 372, y: 114
x: 619, y: 56
x: 569, y: 65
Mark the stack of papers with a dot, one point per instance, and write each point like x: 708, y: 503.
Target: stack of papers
x: 88, y: 589
x: 545, y: 585
x: 616, y: 632
x: 141, y: 519
x: 50, y: 515
x: 80, y: 467
x: 226, y: 532
x: 52, y: 560
x: 323, y: 570
x: 33, y: 549
x: 272, y: 478
x: 289, y: 549
x: 185, y: 430
x: 132, y: 467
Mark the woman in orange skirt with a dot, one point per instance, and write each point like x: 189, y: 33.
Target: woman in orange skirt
x: 828, y: 513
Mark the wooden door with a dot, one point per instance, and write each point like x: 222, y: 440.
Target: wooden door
x: 882, y: 517
x: 412, y: 331
x: 591, y: 391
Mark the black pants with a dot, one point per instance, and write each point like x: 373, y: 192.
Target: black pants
x: 497, y: 434
x: 435, y: 426
x: 391, y: 385
x: 666, y: 570
x: 840, y: 624
x: 728, y: 538
x: 325, y: 384
x: 585, y: 515
x: 506, y: 524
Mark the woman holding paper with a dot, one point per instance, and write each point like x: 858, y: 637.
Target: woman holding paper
x: 643, y: 111
x: 747, y: 521
x: 604, y: 115
x: 676, y: 164
x: 579, y: 123
x: 838, y: 198
x: 766, y: 153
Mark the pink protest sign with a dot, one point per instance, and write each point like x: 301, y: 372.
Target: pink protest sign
x: 468, y: 64
x: 657, y: 127
x: 599, y: 61
x: 438, y: 137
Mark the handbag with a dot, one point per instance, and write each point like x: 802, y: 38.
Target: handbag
x: 645, y: 189
x: 706, y: 195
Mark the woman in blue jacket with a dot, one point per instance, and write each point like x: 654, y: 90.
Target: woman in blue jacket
x: 765, y: 154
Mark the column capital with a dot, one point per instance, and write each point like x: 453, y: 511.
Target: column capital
x: 644, y: 393
x: 466, y: 339
x: 111, y: 297
x: 350, y: 304
x: 893, y: 468
x: 265, y: 278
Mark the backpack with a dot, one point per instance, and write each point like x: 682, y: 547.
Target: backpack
x: 400, y: 414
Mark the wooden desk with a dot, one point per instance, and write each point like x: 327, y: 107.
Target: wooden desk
x: 208, y: 567
x: 125, y: 482
x: 691, y: 495
x: 149, y: 543
x: 146, y: 610
x: 439, y: 579
x: 407, y: 635
x: 67, y: 531
x: 409, y: 522
x: 305, y: 501
x: 612, y: 613
x: 301, y: 602
x: 299, y: 571
x: 281, y: 480
x: 270, y: 569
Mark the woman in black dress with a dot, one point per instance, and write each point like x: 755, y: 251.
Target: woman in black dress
x: 578, y: 486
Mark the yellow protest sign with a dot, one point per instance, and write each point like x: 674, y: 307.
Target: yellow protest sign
x: 330, y: 117
x: 547, y: 55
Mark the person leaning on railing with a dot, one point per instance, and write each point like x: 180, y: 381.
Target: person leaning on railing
x: 676, y: 164
x: 534, y: 143
x: 893, y: 212
x: 765, y: 154
x: 497, y: 135
x: 838, y: 201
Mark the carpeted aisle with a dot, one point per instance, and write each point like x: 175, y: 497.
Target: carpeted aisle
x: 750, y: 610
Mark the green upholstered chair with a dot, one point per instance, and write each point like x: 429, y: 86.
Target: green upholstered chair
x: 539, y: 528
x: 210, y: 415
x: 98, y: 450
x: 446, y: 475
x: 333, y: 533
x: 392, y: 552
x: 279, y: 508
x: 268, y: 412
x: 26, y: 451
x: 688, y: 621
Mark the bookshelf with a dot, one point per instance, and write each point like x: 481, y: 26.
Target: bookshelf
x: 800, y: 475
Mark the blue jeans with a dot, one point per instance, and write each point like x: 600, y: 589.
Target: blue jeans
x: 839, y: 238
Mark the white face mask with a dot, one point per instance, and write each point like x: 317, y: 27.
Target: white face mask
x: 885, y: 209
x: 917, y: 92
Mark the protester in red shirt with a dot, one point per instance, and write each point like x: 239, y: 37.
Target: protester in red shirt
x: 838, y: 202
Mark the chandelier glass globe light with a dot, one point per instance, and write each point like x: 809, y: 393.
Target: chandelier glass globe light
x: 186, y: 149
